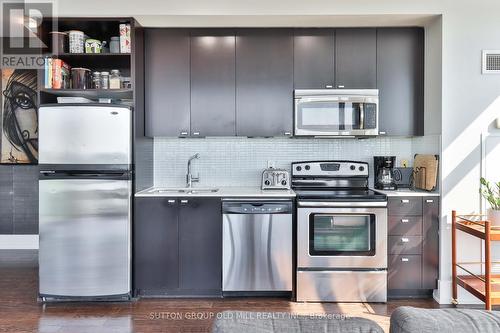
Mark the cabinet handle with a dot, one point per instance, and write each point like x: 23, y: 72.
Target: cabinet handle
x: 382, y: 133
x: 196, y: 133
x: 340, y: 86
x: 429, y: 201
x: 171, y: 201
x: 405, y: 220
x: 405, y: 240
x: 329, y: 86
x: 405, y: 201
x: 184, y: 202
x: 184, y: 133
x: 287, y: 133
x: 404, y: 259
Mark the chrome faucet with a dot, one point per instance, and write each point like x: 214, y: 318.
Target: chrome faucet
x: 189, y: 177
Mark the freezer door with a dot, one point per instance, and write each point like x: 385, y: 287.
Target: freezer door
x: 85, y: 134
x: 85, y: 237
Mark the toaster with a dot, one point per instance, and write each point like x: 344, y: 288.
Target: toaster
x: 275, y: 179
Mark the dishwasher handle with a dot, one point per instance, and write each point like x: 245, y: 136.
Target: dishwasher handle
x: 257, y: 207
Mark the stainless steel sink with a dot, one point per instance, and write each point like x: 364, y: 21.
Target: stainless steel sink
x: 183, y: 190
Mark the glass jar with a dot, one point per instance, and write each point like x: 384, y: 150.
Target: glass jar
x: 96, y: 80
x: 104, y: 80
x: 114, y: 45
x: 114, y: 79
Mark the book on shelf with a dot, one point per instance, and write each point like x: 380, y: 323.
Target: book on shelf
x: 57, y: 74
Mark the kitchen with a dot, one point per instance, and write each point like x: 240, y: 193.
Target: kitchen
x: 211, y: 109
x: 202, y: 214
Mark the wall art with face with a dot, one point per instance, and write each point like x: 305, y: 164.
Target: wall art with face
x: 19, y: 117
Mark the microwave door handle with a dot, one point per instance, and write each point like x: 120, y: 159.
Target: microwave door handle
x: 361, y: 116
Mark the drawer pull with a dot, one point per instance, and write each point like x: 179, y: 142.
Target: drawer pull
x: 404, y: 259
x: 184, y: 133
x: 405, y: 201
x: 405, y: 220
x: 184, y: 202
x: 171, y: 201
x: 405, y: 240
x: 429, y: 201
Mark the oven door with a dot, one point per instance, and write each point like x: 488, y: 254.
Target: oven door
x: 335, y: 116
x: 348, y: 237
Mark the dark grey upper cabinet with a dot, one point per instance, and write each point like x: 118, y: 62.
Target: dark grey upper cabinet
x: 314, y: 60
x: 167, y: 82
x: 200, y: 247
x: 356, y: 58
x: 6, y: 203
x: 264, y: 82
x: 213, y: 84
x: 156, y: 263
x: 400, y: 80
x: 430, y: 260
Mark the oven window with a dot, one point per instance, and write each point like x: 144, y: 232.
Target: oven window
x: 342, y: 234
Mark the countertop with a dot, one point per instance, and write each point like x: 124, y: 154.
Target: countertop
x: 405, y: 192
x: 223, y: 192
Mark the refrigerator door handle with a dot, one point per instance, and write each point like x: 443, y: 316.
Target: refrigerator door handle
x: 122, y: 175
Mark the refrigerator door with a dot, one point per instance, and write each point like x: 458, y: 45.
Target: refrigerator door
x: 85, y: 237
x: 85, y: 134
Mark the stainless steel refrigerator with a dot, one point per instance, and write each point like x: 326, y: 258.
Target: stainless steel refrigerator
x: 85, y: 160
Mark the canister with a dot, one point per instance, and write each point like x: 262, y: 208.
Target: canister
x: 96, y: 80
x: 59, y: 42
x: 114, y: 45
x: 76, y: 41
x: 104, y: 80
x: 80, y: 78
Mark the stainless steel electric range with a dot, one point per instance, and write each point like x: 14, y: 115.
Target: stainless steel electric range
x: 341, y: 233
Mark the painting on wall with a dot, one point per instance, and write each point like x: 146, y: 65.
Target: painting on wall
x: 19, y: 117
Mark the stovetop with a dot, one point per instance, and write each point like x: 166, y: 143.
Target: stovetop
x: 340, y: 194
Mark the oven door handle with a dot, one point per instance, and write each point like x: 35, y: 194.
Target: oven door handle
x: 342, y: 204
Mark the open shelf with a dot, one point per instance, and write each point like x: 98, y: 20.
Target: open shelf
x: 475, y: 225
x: 476, y: 286
x: 91, y: 93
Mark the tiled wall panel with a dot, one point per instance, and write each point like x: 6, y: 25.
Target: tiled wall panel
x: 240, y: 161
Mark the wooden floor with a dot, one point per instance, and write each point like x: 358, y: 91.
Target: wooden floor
x: 19, y: 311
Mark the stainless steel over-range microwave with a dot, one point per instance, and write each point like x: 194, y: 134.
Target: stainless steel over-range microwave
x: 336, y: 112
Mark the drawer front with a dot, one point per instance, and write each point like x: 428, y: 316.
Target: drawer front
x: 405, y: 245
x: 404, y: 206
x: 405, y: 225
x: 405, y: 272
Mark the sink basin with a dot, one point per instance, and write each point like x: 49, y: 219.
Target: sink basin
x: 185, y: 190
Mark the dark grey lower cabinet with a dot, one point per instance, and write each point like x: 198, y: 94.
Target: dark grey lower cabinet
x: 200, y: 245
x: 156, y: 247
x: 413, y: 246
x: 430, y: 262
x: 178, y: 247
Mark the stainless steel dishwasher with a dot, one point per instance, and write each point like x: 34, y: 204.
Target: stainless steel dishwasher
x: 257, y: 246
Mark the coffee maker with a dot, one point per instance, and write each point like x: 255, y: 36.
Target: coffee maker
x: 384, y: 172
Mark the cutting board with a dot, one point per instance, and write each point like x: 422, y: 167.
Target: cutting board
x: 425, y: 171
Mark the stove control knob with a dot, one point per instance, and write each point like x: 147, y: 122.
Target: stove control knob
x: 361, y: 168
x: 267, y: 182
x: 308, y: 167
x: 353, y: 167
x: 298, y: 168
x: 283, y: 182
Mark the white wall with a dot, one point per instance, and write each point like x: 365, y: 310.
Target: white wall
x: 467, y: 96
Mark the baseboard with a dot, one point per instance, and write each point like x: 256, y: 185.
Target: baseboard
x: 18, y: 242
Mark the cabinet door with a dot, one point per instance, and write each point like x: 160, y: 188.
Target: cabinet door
x: 430, y: 262
x: 356, y: 58
x: 400, y: 80
x: 167, y: 87
x: 212, y: 83
x: 264, y: 82
x: 313, y: 58
x: 404, y: 272
x: 156, y: 265
x: 200, y: 235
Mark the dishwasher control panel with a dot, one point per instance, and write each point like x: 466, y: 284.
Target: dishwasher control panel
x: 257, y: 207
